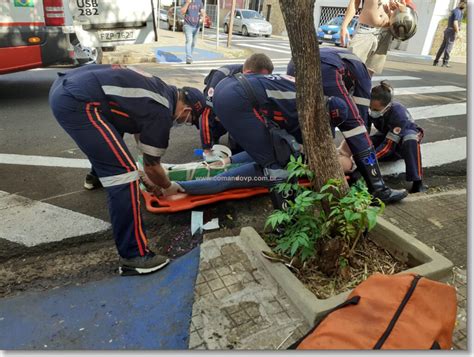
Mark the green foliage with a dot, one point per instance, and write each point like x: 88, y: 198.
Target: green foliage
x: 305, y: 221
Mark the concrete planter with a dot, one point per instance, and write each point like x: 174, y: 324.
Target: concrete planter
x: 424, y: 260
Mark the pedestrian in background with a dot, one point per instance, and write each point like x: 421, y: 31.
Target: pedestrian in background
x: 450, y: 34
x: 191, y: 10
x: 372, y: 38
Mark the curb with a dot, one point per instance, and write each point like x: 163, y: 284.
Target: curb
x: 430, y: 264
x: 401, y: 56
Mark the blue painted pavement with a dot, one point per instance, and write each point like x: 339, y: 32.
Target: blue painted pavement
x: 177, y: 54
x: 138, y: 312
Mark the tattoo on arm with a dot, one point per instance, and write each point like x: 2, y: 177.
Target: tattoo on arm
x: 149, y: 160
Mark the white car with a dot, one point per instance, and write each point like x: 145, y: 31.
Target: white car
x: 163, y: 15
x: 248, y: 22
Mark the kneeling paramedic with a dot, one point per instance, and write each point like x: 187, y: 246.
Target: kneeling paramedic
x: 95, y: 105
x: 247, y: 121
x: 210, y: 126
x: 249, y: 174
x: 398, y: 136
x: 345, y: 77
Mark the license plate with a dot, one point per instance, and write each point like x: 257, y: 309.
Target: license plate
x: 122, y: 35
x: 327, y: 37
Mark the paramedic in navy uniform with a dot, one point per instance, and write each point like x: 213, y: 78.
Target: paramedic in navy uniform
x: 95, y: 105
x: 277, y: 98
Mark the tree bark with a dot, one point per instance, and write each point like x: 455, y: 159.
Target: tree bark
x: 318, y: 142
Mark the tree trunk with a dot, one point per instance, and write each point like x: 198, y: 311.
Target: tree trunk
x: 318, y: 142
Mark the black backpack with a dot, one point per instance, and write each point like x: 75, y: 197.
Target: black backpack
x: 284, y: 144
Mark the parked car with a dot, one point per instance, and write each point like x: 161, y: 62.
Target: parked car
x: 248, y: 22
x: 163, y: 15
x: 331, y: 32
x: 180, y: 19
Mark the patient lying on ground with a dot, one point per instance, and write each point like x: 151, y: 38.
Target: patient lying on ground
x: 247, y: 174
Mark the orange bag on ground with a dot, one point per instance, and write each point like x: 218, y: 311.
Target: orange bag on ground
x: 404, y: 311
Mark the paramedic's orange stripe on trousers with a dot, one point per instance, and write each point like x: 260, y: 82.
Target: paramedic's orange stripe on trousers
x: 134, y: 196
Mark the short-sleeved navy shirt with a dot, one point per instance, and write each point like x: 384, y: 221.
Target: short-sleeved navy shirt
x: 134, y: 101
x: 191, y: 17
x: 456, y: 15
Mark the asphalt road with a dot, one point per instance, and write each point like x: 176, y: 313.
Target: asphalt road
x: 28, y: 129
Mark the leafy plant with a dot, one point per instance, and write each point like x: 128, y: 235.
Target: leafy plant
x: 305, y: 221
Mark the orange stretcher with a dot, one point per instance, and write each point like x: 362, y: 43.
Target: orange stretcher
x: 165, y: 205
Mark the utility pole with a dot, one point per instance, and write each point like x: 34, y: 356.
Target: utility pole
x: 231, y: 23
x: 204, y: 19
x: 174, y: 20
x: 159, y: 21
x: 217, y: 25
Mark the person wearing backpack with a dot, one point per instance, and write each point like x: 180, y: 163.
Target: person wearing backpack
x: 209, y: 126
x: 251, y: 122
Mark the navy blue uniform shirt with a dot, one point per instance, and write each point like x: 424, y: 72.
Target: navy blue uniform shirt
x: 133, y: 101
x: 277, y: 98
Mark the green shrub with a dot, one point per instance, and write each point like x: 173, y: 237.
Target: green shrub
x: 321, y: 215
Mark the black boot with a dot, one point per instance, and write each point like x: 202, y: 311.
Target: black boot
x: 369, y: 168
x: 280, y: 200
x: 418, y: 187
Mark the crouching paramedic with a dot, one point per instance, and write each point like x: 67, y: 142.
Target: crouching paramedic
x: 245, y: 116
x: 95, y: 104
x: 345, y: 77
x: 249, y: 173
x: 398, y: 136
x: 210, y: 126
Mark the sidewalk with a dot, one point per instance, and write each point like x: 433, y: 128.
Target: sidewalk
x: 146, y: 53
x: 239, y: 306
x: 218, y: 296
x: 403, y: 56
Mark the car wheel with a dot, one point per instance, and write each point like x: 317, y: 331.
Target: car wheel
x: 320, y: 42
x: 245, y: 32
x: 267, y: 36
x: 226, y: 28
x: 93, y: 54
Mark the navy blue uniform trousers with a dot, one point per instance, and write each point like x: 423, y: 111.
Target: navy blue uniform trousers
x: 408, y: 150
x: 103, y: 145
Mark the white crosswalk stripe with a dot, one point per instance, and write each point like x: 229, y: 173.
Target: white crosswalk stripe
x: 268, y: 48
x: 434, y: 154
x: 438, y: 111
x: 427, y: 90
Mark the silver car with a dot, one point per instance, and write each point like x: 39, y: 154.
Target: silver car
x: 248, y: 22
